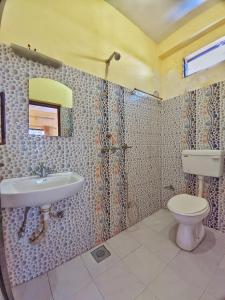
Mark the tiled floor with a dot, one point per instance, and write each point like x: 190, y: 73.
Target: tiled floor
x: 145, y: 264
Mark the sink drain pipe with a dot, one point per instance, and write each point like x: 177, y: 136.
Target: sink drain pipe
x: 41, y: 232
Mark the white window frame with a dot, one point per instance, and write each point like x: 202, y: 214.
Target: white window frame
x: 213, y: 48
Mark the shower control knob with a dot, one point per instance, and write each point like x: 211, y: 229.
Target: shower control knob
x: 125, y: 147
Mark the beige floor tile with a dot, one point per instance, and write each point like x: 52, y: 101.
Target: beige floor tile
x: 169, y: 286
x: 35, y: 289
x: 194, y: 270
x: 136, y: 227
x: 212, y: 246
x: 67, y: 279
x: 222, y: 264
x: 89, y: 292
x: 144, y: 264
x: 160, y: 220
x: 206, y: 296
x: 147, y: 295
x: 123, y: 244
x: 216, y: 287
x: 95, y: 268
x: 156, y: 243
x: 170, y: 232
x: 118, y: 283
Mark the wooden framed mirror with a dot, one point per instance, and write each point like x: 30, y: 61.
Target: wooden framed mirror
x: 2, y: 118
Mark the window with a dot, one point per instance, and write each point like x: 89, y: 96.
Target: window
x: 44, y: 119
x: 205, y: 58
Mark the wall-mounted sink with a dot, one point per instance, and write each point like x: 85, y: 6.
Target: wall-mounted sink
x: 37, y: 191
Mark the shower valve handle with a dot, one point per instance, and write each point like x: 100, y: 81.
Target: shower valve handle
x: 125, y: 147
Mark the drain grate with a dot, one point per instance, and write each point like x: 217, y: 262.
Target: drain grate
x: 100, y: 253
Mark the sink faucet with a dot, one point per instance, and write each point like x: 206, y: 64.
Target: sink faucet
x: 42, y: 171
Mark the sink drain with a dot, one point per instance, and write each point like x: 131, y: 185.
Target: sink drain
x: 100, y: 253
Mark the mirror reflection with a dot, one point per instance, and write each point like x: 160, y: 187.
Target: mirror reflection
x: 50, y: 108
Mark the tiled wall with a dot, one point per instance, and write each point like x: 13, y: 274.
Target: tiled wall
x: 143, y: 161
x: 120, y: 188
x: 195, y: 120
x: 110, y: 199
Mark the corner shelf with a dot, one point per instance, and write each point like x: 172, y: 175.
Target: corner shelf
x: 36, y: 56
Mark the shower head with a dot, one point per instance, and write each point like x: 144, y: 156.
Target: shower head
x: 115, y: 55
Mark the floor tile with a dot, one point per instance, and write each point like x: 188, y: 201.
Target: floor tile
x: 118, y: 283
x: 222, y: 264
x: 144, y: 264
x: 147, y: 295
x: 212, y: 246
x: 206, y: 296
x: 67, y: 279
x: 157, y: 243
x: 194, y: 270
x: 216, y: 287
x: 95, y: 268
x: 160, y: 220
x: 136, y: 227
x: 123, y: 244
x: 35, y: 289
x: 169, y: 286
x: 170, y: 232
x: 89, y: 292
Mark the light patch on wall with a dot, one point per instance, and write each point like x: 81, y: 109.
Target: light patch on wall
x: 50, y: 91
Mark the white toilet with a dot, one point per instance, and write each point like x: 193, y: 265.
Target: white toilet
x: 189, y: 210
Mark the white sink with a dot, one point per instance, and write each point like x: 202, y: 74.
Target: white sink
x: 36, y: 191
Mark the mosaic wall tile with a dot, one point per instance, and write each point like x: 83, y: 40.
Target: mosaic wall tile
x: 208, y: 137
x: 101, y: 209
x: 143, y: 160
x: 221, y: 206
x: 201, y: 126
x: 174, y: 128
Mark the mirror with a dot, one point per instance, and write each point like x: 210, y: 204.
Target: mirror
x: 2, y: 118
x: 50, y: 108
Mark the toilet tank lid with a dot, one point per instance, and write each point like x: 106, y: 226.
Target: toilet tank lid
x: 204, y: 152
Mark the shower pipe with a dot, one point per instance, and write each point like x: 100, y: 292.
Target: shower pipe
x: 2, y: 5
x: 116, y: 56
x: 137, y: 91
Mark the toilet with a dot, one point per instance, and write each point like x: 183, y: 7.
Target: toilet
x: 190, y: 210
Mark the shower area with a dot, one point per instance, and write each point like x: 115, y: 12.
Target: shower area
x: 130, y: 164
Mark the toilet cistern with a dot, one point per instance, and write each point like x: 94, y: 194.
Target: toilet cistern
x: 190, y: 210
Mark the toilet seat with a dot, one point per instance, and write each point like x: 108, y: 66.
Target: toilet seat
x: 188, y: 205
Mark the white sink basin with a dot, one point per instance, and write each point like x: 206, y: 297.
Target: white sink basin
x: 36, y: 191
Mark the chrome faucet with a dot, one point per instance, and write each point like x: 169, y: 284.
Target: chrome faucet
x: 42, y: 171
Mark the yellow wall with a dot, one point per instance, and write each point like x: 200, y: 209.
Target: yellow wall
x: 83, y: 33
x: 189, y: 38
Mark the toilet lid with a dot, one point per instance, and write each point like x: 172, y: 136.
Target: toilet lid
x: 187, y: 204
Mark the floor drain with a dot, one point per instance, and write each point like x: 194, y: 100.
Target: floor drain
x: 100, y: 253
